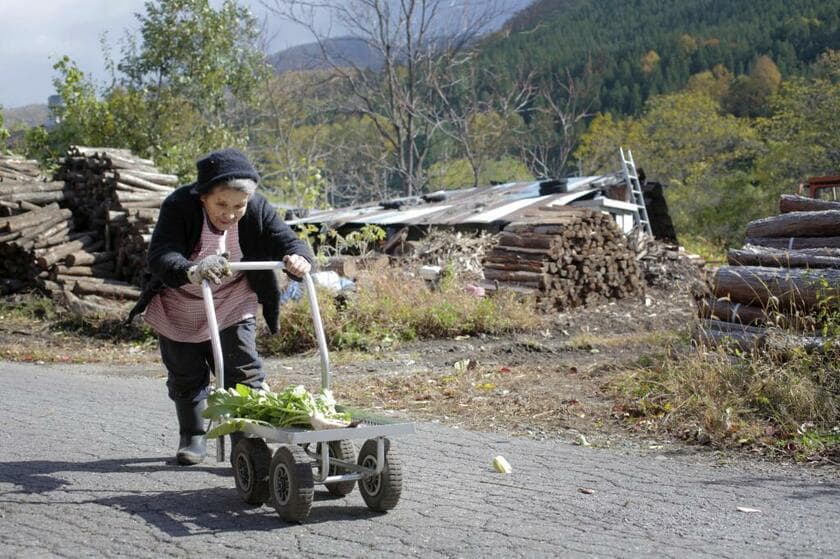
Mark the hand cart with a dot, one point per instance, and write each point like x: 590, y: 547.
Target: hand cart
x: 285, y: 472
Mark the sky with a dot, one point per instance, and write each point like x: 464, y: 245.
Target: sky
x: 35, y: 34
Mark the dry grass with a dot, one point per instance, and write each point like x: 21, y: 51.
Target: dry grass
x: 724, y: 397
x: 390, y: 307
x: 33, y: 329
x: 659, y: 338
x: 520, y: 399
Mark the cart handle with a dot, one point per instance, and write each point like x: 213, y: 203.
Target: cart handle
x: 216, y: 343
x: 314, y: 309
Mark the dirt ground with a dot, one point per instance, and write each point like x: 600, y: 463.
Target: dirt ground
x: 545, y: 384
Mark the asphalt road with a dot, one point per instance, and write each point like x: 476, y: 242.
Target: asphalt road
x: 86, y: 470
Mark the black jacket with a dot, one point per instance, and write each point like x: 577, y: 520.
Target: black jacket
x: 262, y: 236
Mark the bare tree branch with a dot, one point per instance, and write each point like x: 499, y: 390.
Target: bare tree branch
x: 419, y: 42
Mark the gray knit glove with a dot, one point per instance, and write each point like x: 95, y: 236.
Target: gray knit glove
x: 213, y: 268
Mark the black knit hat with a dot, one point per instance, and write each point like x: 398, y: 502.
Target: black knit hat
x: 223, y: 165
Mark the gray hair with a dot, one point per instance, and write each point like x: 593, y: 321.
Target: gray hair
x: 248, y: 186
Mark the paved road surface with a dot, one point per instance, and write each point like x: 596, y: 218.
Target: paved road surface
x: 86, y: 470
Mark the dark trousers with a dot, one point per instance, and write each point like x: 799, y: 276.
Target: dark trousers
x: 190, y: 364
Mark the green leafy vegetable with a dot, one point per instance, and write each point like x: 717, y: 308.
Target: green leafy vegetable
x: 295, y: 406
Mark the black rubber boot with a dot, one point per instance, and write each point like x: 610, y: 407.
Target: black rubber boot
x: 192, y: 447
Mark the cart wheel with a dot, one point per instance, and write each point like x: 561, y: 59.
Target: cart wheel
x: 380, y: 492
x: 250, y: 460
x: 290, y: 483
x: 342, y: 450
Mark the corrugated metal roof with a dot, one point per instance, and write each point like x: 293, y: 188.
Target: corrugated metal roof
x: 482, y: 205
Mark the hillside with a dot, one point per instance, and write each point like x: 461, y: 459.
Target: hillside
x: 642, y: 48
x: 348, y: 51
x: 28, y: 115
x: 355, y: 51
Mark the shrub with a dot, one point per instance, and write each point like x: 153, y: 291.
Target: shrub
x: 390, y: 307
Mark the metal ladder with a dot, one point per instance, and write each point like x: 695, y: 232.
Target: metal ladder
x: 631, y: 178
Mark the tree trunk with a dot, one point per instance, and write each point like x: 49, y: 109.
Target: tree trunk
x: 797, y: 224
x: 794, y: 243
x: 779, y: 289
x: 764, y: 256
x: 792, y: 203
x: 725, y: 310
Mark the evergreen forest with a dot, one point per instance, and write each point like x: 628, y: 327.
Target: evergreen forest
x: 637, y: 49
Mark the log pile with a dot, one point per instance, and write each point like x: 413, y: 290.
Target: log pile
x: 803, y: 223
x: 83, y: 237
x: 566, y: 256
x: 32, y: 225
x: 100, y: 180
x: 785, y: 277
x: 117, y: 195
x: 14, y: 169
x: 22, y: 186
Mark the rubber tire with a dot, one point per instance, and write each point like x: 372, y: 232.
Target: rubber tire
x: 382, y: 492
x: 290, y: 483
x: 342, y: 450
x: 250, y: 461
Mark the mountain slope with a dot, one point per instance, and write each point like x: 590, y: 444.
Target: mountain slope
x: 343, y: 50
x: 28, y: 115
x: 645, y: 47
x: 355, y: 51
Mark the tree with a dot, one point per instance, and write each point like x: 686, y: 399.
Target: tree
x: 705, y: 156
x: 749, y: 95
x: 418, y: 42
x: 199, y: 68
x: 292, y: 149
x: 183, y: 86
x: 713, y: 83
x: 556, y: 118
x: 801, y: 133
x: 4, y: 133
x: 189, y: 50
x: 481, y: 118
x: 458, y: 173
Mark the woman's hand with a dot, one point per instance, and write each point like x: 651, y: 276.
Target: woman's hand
x: 213, y: 268
x: 296, y: 265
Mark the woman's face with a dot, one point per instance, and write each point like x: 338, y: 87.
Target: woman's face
x: 225, y: 206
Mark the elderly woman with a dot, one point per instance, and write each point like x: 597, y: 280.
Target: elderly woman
x: 202, y: 226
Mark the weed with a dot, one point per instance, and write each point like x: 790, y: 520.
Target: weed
x: 28, y: 307
x: 742, y: 397
x: 390, y: 307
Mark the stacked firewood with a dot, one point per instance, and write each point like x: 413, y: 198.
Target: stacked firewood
x: 567, y: 257
x: 83, y: 237
x: 32, y: 225
x: 29, y: 241
x: 786, y: 275
x: 117, y: 195
x: 22, y: 186
x: 129, y: 232
x: 14, y: 168
x: 105, y: 179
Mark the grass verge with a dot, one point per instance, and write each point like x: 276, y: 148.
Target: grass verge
x: 787, y: 403
x: 34, y: 329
